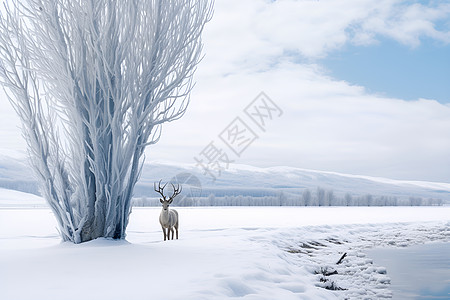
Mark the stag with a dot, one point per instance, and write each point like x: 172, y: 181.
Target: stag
x: 168, y: 217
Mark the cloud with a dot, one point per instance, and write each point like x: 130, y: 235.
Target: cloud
x: 326, y: 125
x: 256, y: 34
x: 403, y: 22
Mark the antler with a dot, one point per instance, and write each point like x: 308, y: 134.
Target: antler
x: 160, y: 189
x: 176, y: 191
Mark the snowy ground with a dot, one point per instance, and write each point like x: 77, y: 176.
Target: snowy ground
x: 244, y: 253
x: 16, y: 199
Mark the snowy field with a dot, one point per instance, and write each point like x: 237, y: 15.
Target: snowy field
x: 241, y: 253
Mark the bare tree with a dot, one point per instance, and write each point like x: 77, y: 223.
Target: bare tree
x: 329, y: 198
x: 92, y: 81
x: 306, y: 195
x: 320, y: 194
x: 348, y: 199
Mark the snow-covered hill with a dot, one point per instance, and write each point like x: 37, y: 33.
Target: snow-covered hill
x: 242, y: 180
x: 16, y: 199
x: 16, y: 175
x: 252, y: 181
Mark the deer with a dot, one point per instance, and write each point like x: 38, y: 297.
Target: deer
x: 168, y: 218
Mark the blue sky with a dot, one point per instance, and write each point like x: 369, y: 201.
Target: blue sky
x: 395, y: 70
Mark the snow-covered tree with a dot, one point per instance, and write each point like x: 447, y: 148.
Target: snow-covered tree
x: 348, y: 199
x: 92, y: 81
x: 329, y: 197
x: 320, y: 195
x: 306, y: 195
x: 415, y: 201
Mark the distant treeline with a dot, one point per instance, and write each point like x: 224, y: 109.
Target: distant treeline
x: 319, y: 197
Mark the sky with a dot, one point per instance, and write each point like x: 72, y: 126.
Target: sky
x: 351, y: 86
x: 396, y: 70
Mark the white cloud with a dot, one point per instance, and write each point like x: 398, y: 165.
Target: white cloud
x: 327, y: 125
x: 405, y: 23
x: 256, y: 34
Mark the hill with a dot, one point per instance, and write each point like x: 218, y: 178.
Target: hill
x: 248, y: 181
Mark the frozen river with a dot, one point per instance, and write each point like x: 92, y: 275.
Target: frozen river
x: 417, y: 272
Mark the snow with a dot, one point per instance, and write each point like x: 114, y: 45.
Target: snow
x: 244, y: 253
x: 11, y: 198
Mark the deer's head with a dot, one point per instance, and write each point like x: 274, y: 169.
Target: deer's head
x: 166, y: 201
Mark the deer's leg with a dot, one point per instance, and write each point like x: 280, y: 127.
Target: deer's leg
x: 164, y: 232
x: 176, y: 229
x: 171, y: 230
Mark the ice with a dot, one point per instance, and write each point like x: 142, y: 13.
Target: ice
x: 417, y: 272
